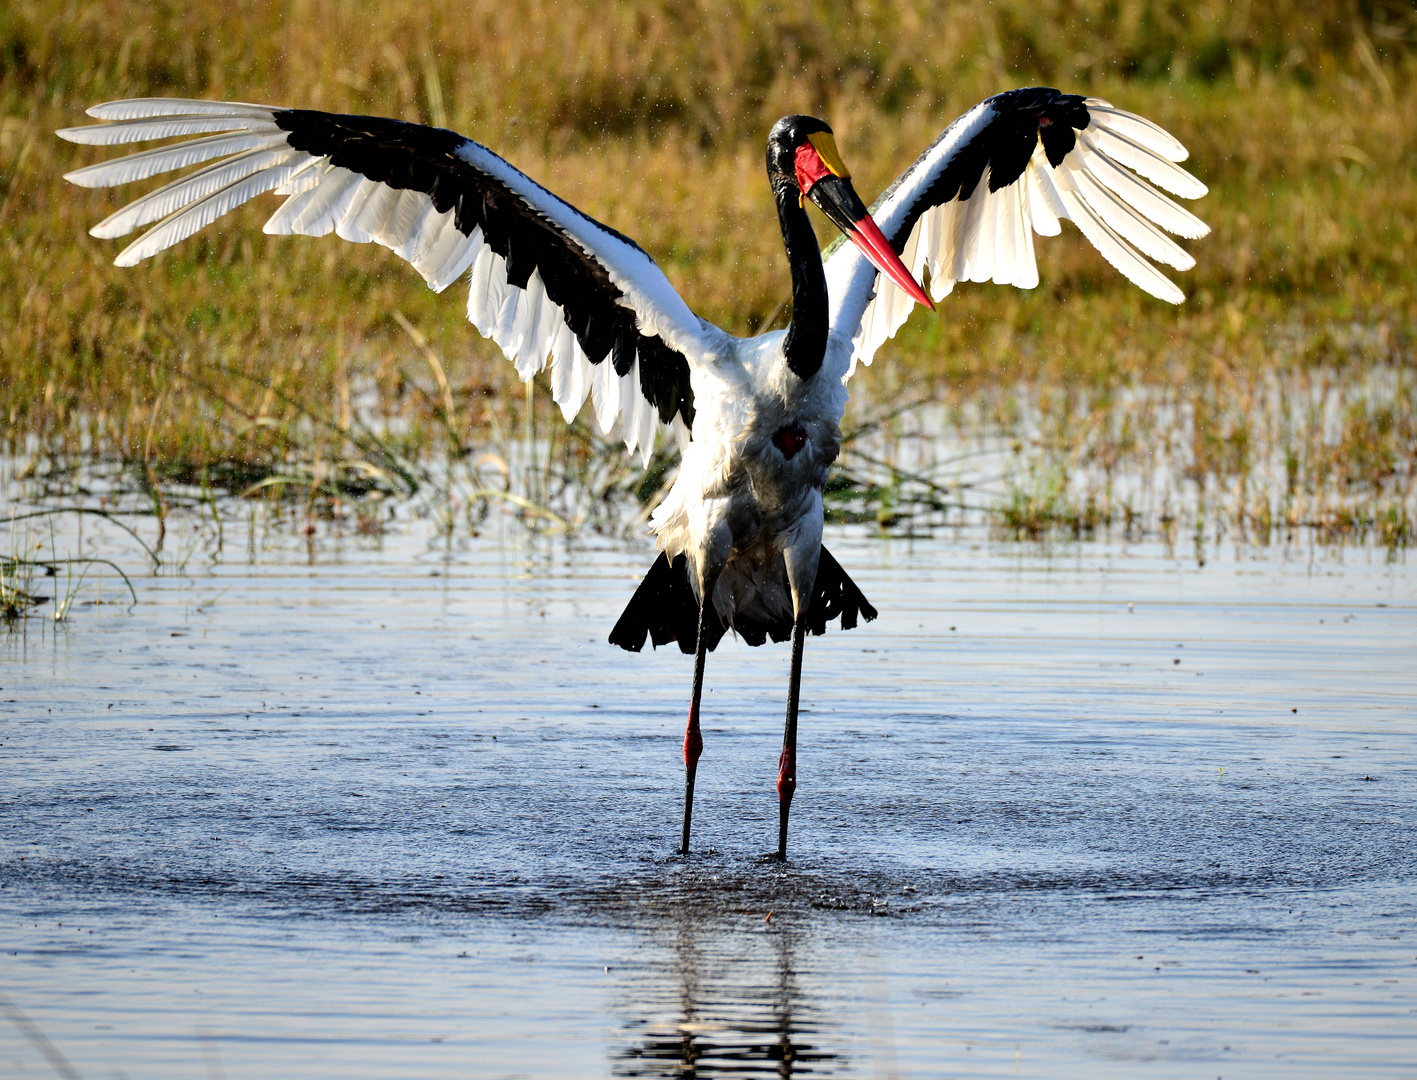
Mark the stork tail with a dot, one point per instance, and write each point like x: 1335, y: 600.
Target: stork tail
x: 664, y: 609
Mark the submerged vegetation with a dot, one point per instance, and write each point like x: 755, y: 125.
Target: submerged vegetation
x: 324, y: 376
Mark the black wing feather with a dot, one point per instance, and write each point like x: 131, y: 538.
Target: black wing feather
x: 1004, y: 147
x: 412, y: 156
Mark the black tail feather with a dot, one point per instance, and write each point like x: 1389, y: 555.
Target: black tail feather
x: 663, y: 609
x: 836, y: 595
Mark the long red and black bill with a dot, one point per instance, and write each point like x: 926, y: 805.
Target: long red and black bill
x: 868, y: 237
x: 824, y: 179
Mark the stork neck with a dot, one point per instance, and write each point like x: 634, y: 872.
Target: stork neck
x: 806, y: 344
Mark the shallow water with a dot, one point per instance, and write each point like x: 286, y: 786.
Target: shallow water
x: 394, y: 808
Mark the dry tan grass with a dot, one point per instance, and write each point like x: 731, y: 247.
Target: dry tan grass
x: 237, y: 350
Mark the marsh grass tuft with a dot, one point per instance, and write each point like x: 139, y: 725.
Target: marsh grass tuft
x: 25, y: 559
x: 16, y: 585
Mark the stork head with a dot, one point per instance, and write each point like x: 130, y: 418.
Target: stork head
x: 803, y: 161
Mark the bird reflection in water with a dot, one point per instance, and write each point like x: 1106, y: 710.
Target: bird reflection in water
x: 726, y: 1002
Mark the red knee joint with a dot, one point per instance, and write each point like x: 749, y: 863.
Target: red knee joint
x: 693, y: 741
x: 786, y: 775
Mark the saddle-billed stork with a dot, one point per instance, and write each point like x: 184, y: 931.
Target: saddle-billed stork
x: 740, y: 532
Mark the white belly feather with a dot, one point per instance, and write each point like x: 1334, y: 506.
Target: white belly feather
x: 739, y: 502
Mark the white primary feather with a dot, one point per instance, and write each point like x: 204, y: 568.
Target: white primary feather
x: 939, y: 248
x: 508, y: 318
x: 577, y: 371
x: 1138, y: 128
x: 921, y: 243
x: 562, y: 389
x: 1008, y: 244
x: 166, y: 158
x: 347, y: 225
x: 127, y: 131
x: 504, y: 317
x: 1139, y: 232
x: 1127, y: 260
x: 172, y: 197
x: 284, y: 221
x: 964, y: 248
x: 141, y: 108
x: 1006, y: 253
x: 372, y: 218
x: 455, y: 265
x: 1159, y: 170
x: 403, y: 225
x: 524, y: 346
x: 549, y: 323
x: 1171, y: 216
x: 185, y: 222
x: 481, y: 303
x: 568, y: 344
x: 979, y: 251
x: 1013, y: 248
x: 910, y: 254
x: 631, y: 415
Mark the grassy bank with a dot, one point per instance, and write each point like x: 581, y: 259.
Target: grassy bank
x: 238, y: 354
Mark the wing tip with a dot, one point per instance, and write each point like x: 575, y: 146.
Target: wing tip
x: 1161, y: 141
x: 154, y: 107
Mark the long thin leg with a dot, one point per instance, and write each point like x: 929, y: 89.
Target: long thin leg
x: 787, y: 763
x: 693, y: 741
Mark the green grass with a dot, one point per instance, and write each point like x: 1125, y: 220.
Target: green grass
x: 237, y: 358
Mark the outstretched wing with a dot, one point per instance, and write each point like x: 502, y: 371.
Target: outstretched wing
x: 1016, y: 164
x: 547, y: 281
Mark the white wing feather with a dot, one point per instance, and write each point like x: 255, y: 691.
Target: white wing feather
x: 192, y: 189
x: 166, y: 158
x: 989, y: 236
x: 126, y: 131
